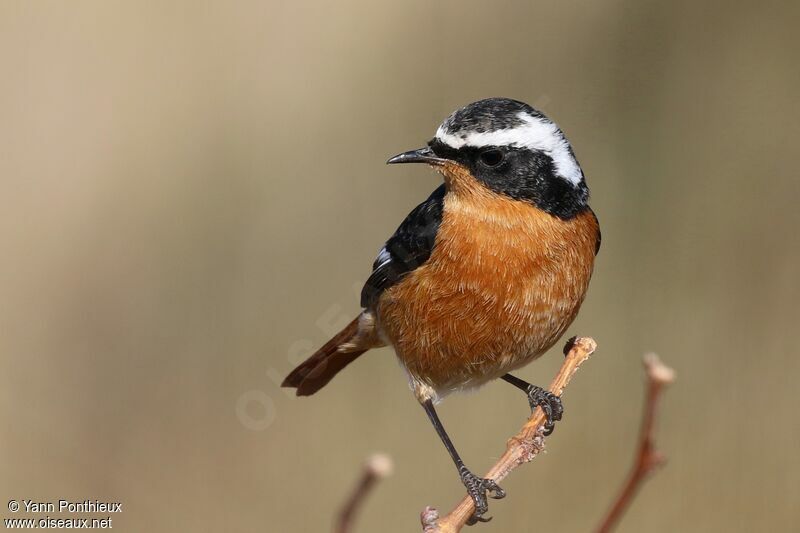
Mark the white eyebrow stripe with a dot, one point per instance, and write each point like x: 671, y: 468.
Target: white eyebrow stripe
x: 534, y: 134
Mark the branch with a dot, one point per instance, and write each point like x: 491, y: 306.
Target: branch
x: 648, y: 458
x: 376, y: 468
x: 521, y: 448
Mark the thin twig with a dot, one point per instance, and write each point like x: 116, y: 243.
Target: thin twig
x: 376, y: 468
x: 648, y: 458
x: 521, y: 448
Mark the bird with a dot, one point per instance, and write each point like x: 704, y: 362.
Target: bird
x: 484, y: 276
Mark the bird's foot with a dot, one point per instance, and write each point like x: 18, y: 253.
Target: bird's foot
x: 550, y: 404
x: 478, y: 488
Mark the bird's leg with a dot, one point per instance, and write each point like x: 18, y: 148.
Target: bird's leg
x: 477, y: 487
x: 539, y: 397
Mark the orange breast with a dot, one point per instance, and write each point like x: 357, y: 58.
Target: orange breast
x: 503, y: 283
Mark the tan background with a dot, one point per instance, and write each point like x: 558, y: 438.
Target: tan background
x: 191, y: 194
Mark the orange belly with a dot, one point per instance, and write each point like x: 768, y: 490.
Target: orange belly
x: 503, y: 283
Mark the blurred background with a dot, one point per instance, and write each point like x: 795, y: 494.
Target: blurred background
x: 192, y: 193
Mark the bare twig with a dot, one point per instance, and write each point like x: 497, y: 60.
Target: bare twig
x: 376, y: 468
x: 521, y: 448
x: 648, y: 458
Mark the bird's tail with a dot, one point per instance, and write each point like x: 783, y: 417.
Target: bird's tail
x: 316, y: 371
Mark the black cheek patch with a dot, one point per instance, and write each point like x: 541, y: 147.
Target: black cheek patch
x: 531, y: 176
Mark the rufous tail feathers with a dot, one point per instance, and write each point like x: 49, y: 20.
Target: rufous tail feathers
x: 316, y: 371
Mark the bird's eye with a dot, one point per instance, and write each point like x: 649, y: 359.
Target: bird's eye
x: 491, y: 158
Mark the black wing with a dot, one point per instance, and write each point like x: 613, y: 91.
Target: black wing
x: 409, y: 247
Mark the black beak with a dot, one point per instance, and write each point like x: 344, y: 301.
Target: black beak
x: 422, y: 155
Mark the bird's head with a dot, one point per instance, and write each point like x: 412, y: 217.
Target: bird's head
x: 510, y: 148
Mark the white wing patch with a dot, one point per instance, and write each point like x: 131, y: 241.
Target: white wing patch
x: 535, y: 134
x: 383, y: 258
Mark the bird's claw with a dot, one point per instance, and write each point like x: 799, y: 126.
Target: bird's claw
x: 550, y: 404
x: 479, y: 488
